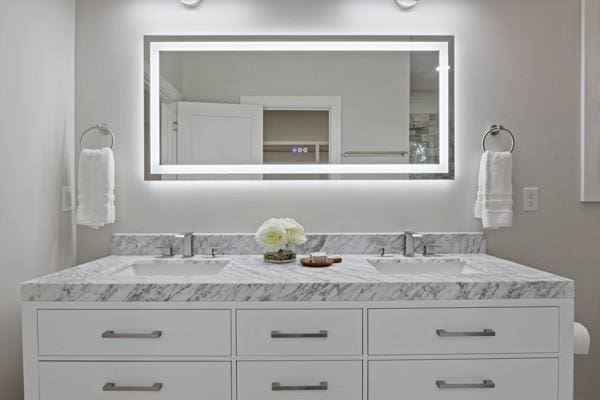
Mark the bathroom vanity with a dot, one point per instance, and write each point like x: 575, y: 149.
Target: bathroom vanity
x: 133, y: 326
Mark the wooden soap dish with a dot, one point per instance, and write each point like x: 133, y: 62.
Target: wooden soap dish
x: 320, y: 263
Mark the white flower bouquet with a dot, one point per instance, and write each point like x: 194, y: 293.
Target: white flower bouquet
x: 278, y: 237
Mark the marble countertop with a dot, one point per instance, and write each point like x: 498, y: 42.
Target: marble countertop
x: 248, y: 278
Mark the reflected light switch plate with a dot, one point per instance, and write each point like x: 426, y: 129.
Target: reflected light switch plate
x: 68, y: 200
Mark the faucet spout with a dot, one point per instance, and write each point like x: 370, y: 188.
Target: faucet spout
x: 187, y: 248
x: 409, y: 243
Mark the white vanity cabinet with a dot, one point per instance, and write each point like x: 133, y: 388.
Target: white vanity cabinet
x: 490, y: 379
x: 125, y: 333
x: 299, y: 332
x: 418, y: 350
x: 135, y: 380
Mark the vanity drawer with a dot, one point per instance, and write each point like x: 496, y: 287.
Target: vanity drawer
x: 134, y: 332
x: 525, y: 379
x: 134, y: 381
x: 306, y: 380
x: 299, y: 332
x: 463, y: 331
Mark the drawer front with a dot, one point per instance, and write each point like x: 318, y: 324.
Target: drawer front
x: 525, y: 379
x: 134, y: 332
x: 299, y: 332
x: 463, y: 331
x: 306, y: 380
x: 134, y: 381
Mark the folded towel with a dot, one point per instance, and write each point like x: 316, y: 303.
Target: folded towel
x: 494, y: 195
x: 96, y: 188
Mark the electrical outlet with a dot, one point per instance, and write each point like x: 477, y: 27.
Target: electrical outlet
x: 530, y: 199
x: 68, y: 200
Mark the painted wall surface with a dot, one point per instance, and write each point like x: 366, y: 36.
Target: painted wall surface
x: 591, y: 160
x: 36, y: 125
x: 375, y: 90
x: 517, y: 63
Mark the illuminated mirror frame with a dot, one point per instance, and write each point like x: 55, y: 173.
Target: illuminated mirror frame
x: 442, y: 47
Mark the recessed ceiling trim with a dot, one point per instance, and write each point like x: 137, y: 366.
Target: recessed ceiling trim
x: 407, y: 4
x: 190, y: 3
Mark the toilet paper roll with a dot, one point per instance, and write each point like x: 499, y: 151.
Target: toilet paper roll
x: 581, y: 339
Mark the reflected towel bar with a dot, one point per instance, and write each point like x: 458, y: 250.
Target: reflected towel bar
x: 375, y: 153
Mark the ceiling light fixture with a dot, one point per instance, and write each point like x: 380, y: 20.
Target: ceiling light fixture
x: 190, y: 3
x: 407, y: 4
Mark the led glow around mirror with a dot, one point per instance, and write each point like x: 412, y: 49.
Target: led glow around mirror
x: 338, y: 161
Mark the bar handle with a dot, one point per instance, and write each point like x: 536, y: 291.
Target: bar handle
x: 484, y: 333
x: 112, y: 387
x: 281, y: 335
x: 276, y: 386
x: 124, y: 335
x: 486, y: 384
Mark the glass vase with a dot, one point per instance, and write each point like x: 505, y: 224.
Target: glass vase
x: 282, y: 256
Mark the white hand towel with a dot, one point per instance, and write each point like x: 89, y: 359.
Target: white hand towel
x: 494, y: 195
x: 96, y: 188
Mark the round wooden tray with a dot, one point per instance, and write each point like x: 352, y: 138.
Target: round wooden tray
x: 307, y: 262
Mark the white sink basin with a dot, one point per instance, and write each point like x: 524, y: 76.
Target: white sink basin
x: 421, y: 266
x: 173, y: 268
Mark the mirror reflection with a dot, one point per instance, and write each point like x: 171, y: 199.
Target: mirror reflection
x: 302, y: 108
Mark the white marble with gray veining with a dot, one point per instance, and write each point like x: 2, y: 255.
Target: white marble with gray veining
x: 341, y: 243
x: 248, y: 278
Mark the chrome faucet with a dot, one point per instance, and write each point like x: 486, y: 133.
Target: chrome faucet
x: 165, y: 251
x: 409, y: 243
x: 211, y: 252
x: 187, y: 247
x: 386, y: 251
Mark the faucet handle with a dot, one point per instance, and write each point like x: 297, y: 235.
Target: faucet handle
x: 165, y: 251
x: 210, y: 252
x: 387, y: 251
x: 429, y: 249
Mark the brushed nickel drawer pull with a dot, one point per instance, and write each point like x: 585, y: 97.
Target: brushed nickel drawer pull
x: 276, y: 386
x: 487, y: 384
x: 280, y: 335
x: 115, y: 335
x: 112, y: 387
x: 485, y: 332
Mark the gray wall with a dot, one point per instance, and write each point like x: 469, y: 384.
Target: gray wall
x: 517, y: 62
x: 591, y: 158
x: 36, y: 124
x: 171, y: 69
x: 374, y: 89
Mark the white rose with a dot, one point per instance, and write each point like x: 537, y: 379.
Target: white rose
x: 271, y: 235
x: 295, y: 231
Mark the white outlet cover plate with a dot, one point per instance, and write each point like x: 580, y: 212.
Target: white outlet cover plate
x: 530, y: 199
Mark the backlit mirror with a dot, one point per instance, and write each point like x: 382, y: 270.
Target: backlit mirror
x: 289, y: 108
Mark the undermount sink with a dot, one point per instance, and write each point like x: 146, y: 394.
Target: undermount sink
x: 421, y: 266
x: 173, y: 268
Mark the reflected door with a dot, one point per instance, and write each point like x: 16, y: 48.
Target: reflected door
x: 212, y: 133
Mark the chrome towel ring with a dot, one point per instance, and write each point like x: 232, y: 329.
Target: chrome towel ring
x: 103, y: 129
x: 494, y: 130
